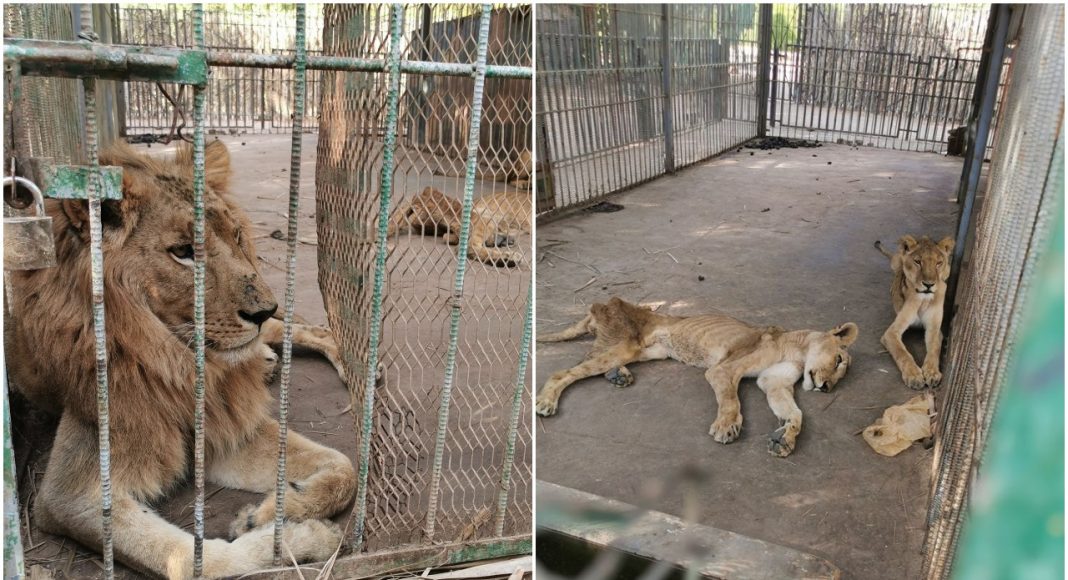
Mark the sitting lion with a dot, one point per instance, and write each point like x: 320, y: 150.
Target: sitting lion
x: 148, y: 280
x: 496, y: 220
x: 918, y: 291
x: 728, y: 348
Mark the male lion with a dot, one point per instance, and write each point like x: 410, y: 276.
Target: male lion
x: 495, y: 221
x: 728, y: 348
x: 148, y: 274
x: 918, y: 291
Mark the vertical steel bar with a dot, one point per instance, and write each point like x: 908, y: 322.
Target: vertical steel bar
x: 299, y: 79
x: 96, y: 252
x: 666, y: 70
x: 97, y: 274
x: 14, y: 565
x: 986, y: 95
x: 517, y: 406
x: 385, y: 190
x: 763, y: 62
x: 461, y: 263
x: 199, y: 258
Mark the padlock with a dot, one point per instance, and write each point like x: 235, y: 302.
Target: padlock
x: 28, y: 242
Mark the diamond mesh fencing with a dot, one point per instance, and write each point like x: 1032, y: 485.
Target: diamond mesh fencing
x: 897, y: 76
x: 629, y: 92
x: 1012, y: 229
x: 239, y: 100
x: 437, y: 454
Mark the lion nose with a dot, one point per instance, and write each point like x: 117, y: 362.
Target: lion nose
x: 928, y: 285
x: 260, y: 316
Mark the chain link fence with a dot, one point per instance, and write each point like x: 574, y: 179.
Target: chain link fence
x: 437, y: 447
x: 1012, y: 232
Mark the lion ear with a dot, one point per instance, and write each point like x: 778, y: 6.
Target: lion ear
x: 116, y: 216
x: 217, y: 169
x: 947, y: 244
x: 907, y: 243
x: 846, y: 333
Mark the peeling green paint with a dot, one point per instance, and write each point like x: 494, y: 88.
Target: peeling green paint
x: 72, y: 181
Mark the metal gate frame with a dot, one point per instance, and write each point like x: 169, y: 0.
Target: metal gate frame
x: 90, y: 60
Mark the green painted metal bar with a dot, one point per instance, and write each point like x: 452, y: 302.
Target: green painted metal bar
x: 461, y: 265
x: 96, y: 253
x: 299, y: 85
x: 385, y: 191
x: 199, y: 258
x: 72, y: 181
x: 517, y: 407
x: 14, y: 564
x: 190, y: 66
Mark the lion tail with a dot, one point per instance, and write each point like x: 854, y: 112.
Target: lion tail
x: 882, y: 250
x: 576, y: 330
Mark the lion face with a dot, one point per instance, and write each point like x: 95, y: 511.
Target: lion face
x: 925, y: 263
x: 827, y: 359
x: 149, y: 248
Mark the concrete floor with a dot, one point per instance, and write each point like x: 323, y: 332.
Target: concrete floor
x: 319, y: 401
x: 781, y: 237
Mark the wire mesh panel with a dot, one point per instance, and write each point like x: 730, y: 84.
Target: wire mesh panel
x: 1012, y: 229
x: 899, y: 76
x: 612, y: 118
x: 409, y: 500
x: 239, y: 100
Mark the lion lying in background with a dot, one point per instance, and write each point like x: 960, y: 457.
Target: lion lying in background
x: 918, y: 294
x: 496, y: 220
x: 148, y: 274
x: 728, y: 348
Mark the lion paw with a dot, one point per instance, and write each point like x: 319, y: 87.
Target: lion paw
x: 913, y: 377
x: 244, y: 522
x: 545, y: 406
x: 271, y: 358
x: 931, y: 376
x: 779, y: 444
x: 620, y: 377
x: 312, y: 540
x: 725, y: 431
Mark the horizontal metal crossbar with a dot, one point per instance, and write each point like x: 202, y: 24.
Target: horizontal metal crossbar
x: 190, y: 66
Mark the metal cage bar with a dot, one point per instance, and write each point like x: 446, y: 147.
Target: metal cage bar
x: 96, y: 252
x: 199, y: 266
x: 461, y: 266
x: 385, y: 191
x: 299, y: 81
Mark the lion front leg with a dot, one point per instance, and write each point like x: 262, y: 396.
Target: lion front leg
x: 69, y: 503
x: 321, y: 480
x: 728, y: 423
x: 891, y: 340
x: 599, y: 363
x: 932, y: 376
x: 777, y: 382
x: 317, y: 338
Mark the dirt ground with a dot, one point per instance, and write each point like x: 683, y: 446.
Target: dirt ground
x: 778, y: 237
x: 319, y: 401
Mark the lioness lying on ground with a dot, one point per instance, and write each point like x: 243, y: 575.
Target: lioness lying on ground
x: 148, y: 273
x: 496, y: 220
x: 918, y: 292
x: 728, y: 348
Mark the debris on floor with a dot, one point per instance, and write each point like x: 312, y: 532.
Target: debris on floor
x: 901, y: 425
x: 604, y: 207
x: 780, y: 143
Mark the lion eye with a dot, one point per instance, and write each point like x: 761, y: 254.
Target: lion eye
x: 917, y: 260
x: 183, y: 253
x: 838, y: 362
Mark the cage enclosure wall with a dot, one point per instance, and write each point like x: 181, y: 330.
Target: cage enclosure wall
x: 405, y: 490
